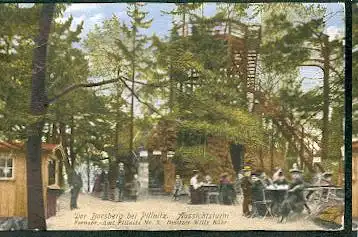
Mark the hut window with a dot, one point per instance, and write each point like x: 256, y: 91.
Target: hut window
x: 6, y: 167
x: 51, y: 172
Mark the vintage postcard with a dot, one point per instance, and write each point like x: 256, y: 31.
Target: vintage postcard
x: 163, y: 116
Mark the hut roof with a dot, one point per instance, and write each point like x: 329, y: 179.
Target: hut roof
x: 5, y: 146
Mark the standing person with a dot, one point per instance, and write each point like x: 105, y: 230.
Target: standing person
x: 121, y: 182
x: 177, y: 187
x: 97, y: 184
x: 105, y: 186
x: 195, y: 193
x: 238, y: 182
x: 135, y: 187
x: 246, y: 186
x: 76, y: 186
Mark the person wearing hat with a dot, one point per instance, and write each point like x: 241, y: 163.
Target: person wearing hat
x: 295, y: 200
x: 121, y: 182
x: 246, y: 187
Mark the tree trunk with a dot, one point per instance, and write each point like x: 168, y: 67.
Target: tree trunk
x: 326, y: 100
x: 131, y: 133
x: 48, y: 133
x: 66, y: 161
x: 54, y: 135
x: 72, y: 141
x: 184, y: 20
x: 116, y: 138
x: 88, y: 172
x: 272, y: 147
x: 38, y: 106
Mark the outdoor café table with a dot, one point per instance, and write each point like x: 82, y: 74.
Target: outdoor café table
x: 276, y: 193
x: 207, y: 189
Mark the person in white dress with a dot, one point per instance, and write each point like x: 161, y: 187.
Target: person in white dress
x: 195, y: 193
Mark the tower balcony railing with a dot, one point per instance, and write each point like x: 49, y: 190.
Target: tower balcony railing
x: 225, y: 28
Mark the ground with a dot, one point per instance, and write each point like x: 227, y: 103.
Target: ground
x: 161, y: 213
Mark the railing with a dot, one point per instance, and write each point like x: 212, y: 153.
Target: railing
x: 235, y: 29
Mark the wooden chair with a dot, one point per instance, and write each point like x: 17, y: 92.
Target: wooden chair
x: 215, y: 195
x: 265, y: 202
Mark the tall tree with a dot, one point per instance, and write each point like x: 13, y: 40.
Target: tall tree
x: 138, y: 45
x: 303, y: 43
x: 38, y: 107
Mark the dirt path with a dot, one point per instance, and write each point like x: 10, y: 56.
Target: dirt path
x: 161, y: 213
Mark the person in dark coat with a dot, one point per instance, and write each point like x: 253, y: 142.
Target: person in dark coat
x: 105, y: 186
x: 76, y: 186
x: 295, y: 200
x: 121, y: 182
x: 97, y: 187
x: 257, y: 195
x: 246, y: 187
x: 226, y: 189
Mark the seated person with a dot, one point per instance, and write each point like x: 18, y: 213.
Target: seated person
x: 226, y: 190
x: 279, y: 178
x: 257, y: 195
x: 208, y: 179
x: 278, y: 197
x: 321, y: 179
x: 326, y: 179
x: 295, y: 200
x: 266, y: 180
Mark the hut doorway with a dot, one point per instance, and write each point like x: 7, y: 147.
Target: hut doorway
x: 237, y: 152
x: 156, y: 175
